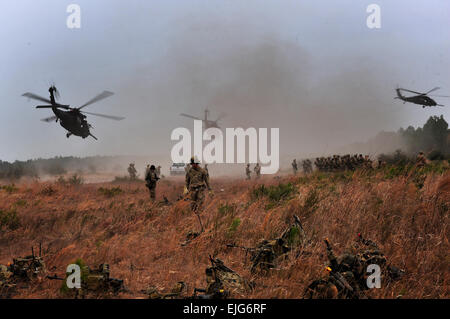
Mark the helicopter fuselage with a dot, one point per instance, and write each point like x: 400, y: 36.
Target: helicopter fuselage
x: 74, y: 122
x: 422, y: 99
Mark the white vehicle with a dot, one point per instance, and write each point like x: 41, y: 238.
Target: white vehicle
x: 177, y: 169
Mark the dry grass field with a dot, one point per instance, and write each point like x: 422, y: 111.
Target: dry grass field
x: 116, y: 223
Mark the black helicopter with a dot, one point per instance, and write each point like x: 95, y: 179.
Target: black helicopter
x: 207, y: 122
x: 73, y: 120
x: 421, y: 98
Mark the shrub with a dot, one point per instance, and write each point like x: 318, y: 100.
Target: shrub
x: 274, y: 193
x: 75, y: 179
x: 110, y: 192
x: 9, y: 188
x: 225, y: 209
x: 9, y: 219
x: 234, y: 225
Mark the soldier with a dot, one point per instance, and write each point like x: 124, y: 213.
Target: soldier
x: 257, y: 170
x: 247, y: 171
x: 151, y: 178
x: 367, y: 162
x: 294, y: 166
x: 132, y: 171
x: 421, y: 161
x: 196, y: 182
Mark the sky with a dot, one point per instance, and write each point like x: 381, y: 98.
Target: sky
x: 312, y: 69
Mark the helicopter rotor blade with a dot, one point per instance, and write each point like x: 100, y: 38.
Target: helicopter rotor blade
x: 440, y: 95
x: 49, y: 119
x: 111, y: 117
x: 411, y: 91
x: 66, y: 107
x: 432, y: 90
x: 99, y: 97
x: 190, y: 116
x: 36, y: 97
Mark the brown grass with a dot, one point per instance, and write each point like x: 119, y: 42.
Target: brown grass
x: 141, y: 241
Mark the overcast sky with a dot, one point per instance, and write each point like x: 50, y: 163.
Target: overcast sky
x: 312, y: 68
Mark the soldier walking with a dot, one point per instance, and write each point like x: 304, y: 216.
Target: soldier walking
x: 196, y: 181
x: 257, y: 170
x: 151, y: 178
x: 294, y: 166
x: 132, y: 171
x: 421, y: 160
x: 247, y: 171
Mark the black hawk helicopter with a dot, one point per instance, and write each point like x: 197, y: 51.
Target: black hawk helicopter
x: 207, y: 123
x: 421, y: 98
x: 73, y: 120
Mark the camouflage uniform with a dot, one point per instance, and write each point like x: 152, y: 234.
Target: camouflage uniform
x: 196, y: 181
x: 247, y: 171
x: 257, y: 170
x: 348, y: 273
x: 222, y: 282
x: 151, y: 178
x: 294, y: 166
x: 265, y: 254
x: 132, y: 171
x: 421, y: 160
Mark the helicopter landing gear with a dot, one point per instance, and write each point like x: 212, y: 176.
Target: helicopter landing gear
x: 68, y: 134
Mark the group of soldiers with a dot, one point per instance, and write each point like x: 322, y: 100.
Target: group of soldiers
x: 306, y: 164
x: 348, y: 274
x: 196, y: 183
x: 151, y: 176
x: 342, y: 163
x: 256, y: 169
x: 334, y: 163
x: 132, y: 172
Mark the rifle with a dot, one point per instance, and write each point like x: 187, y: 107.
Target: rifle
x: 54, y: 277
x: 330, y: 255
x: 367, y: 242
x: 340, y: 280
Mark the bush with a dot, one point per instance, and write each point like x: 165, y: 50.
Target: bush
x: 234, y: 225
x: 9, y: 219
x: 274, y: 193
x: 9, y: 188
x: 75, y: 179
x: 226, y: 209
x: 110, y: 192
x: 397, y: 158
